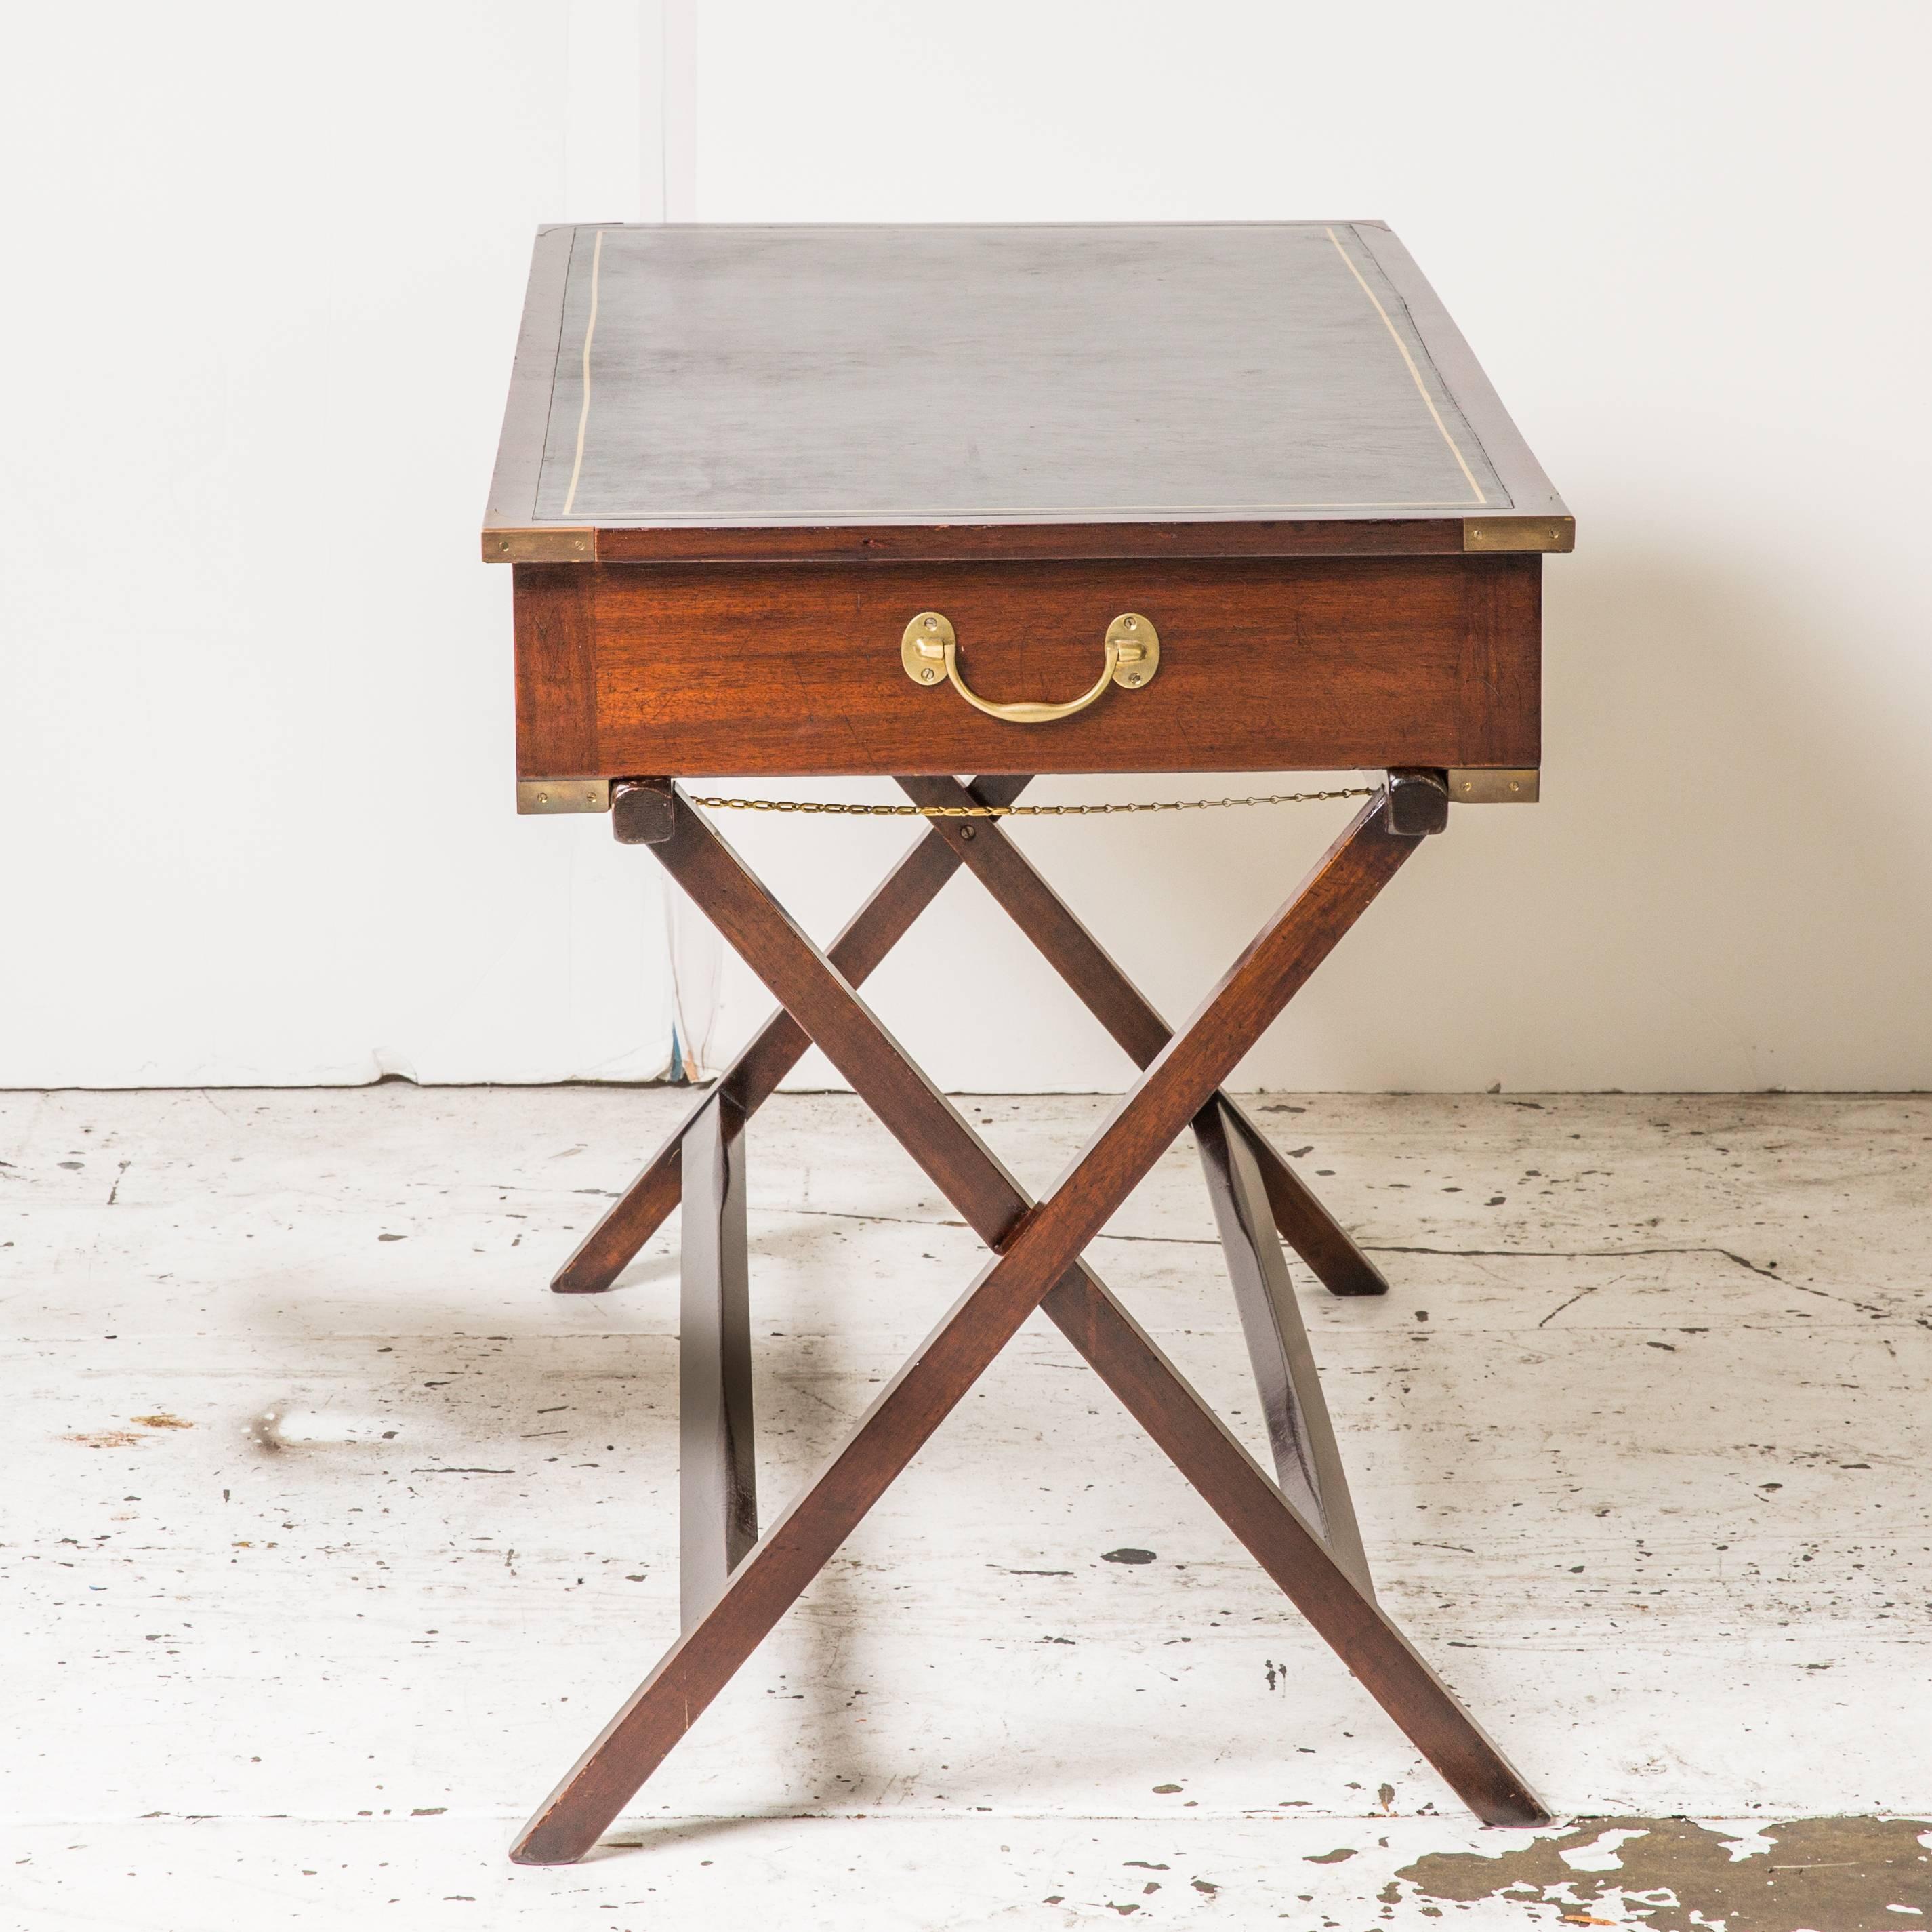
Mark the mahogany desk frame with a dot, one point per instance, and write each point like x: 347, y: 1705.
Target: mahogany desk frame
x: 639, y: 662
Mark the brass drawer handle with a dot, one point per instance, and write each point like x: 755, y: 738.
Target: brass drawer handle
x: 930, y: 650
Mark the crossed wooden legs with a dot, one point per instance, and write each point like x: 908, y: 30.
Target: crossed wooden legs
x: 1036, y: 1262
x: 717, y: 1464
x: 983, y: 848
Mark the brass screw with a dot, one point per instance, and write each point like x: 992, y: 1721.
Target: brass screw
x: 932, y: 623
x: 928, y: 675
x: 1133, y: 677
x: 543, y: 798
x: 1133, y: 624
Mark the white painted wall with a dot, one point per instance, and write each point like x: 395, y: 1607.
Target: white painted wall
x: 254, y: 716
x: 264, y: 268
x: 1689, y: 243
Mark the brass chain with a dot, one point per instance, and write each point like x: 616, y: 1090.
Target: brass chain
x: 1023, y: 811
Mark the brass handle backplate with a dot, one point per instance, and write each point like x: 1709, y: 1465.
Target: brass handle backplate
x: 930, y: 652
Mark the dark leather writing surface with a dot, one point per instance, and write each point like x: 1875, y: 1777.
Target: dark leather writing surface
x: 794, y: 377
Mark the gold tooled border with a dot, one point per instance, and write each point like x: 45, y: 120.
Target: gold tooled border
x: 584, y: 411
x: 1478, y: 496
x: 1415, y: 373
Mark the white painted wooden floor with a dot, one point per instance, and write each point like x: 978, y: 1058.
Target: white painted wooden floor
x: 330, y: 1536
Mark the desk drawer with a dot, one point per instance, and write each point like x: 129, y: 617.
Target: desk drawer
x: 1266, y: 665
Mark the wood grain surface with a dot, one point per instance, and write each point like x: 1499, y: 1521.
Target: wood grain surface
x: 1267, y: 664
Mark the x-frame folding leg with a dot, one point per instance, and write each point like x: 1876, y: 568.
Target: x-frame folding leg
x: 1036, y: 1262
x: 1307, y: 1459
x: 1067, y: 946
x: 718, y: 1495
x: 1245, y: 1191
x: 753, y: 1077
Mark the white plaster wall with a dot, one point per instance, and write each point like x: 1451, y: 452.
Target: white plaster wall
x: 1688, y: 242
x: 254, y: 716
x: 264, y: 268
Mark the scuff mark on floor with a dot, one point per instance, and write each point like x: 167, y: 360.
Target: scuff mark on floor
x: 1769, y: 1272
x: 1570, y: 1304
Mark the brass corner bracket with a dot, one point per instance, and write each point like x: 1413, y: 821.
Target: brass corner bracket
x: 1546, y: 533
x: 543, y: 796
x: 1490, y: 784
x: 554, y: 545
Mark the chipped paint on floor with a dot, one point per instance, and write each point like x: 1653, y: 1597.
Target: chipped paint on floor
x: 332, y: 1536
x: 1676, y: 1875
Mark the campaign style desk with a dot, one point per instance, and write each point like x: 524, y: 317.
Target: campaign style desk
x: 922, y: 502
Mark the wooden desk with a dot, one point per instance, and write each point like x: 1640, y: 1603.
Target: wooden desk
x: 918, y: 502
